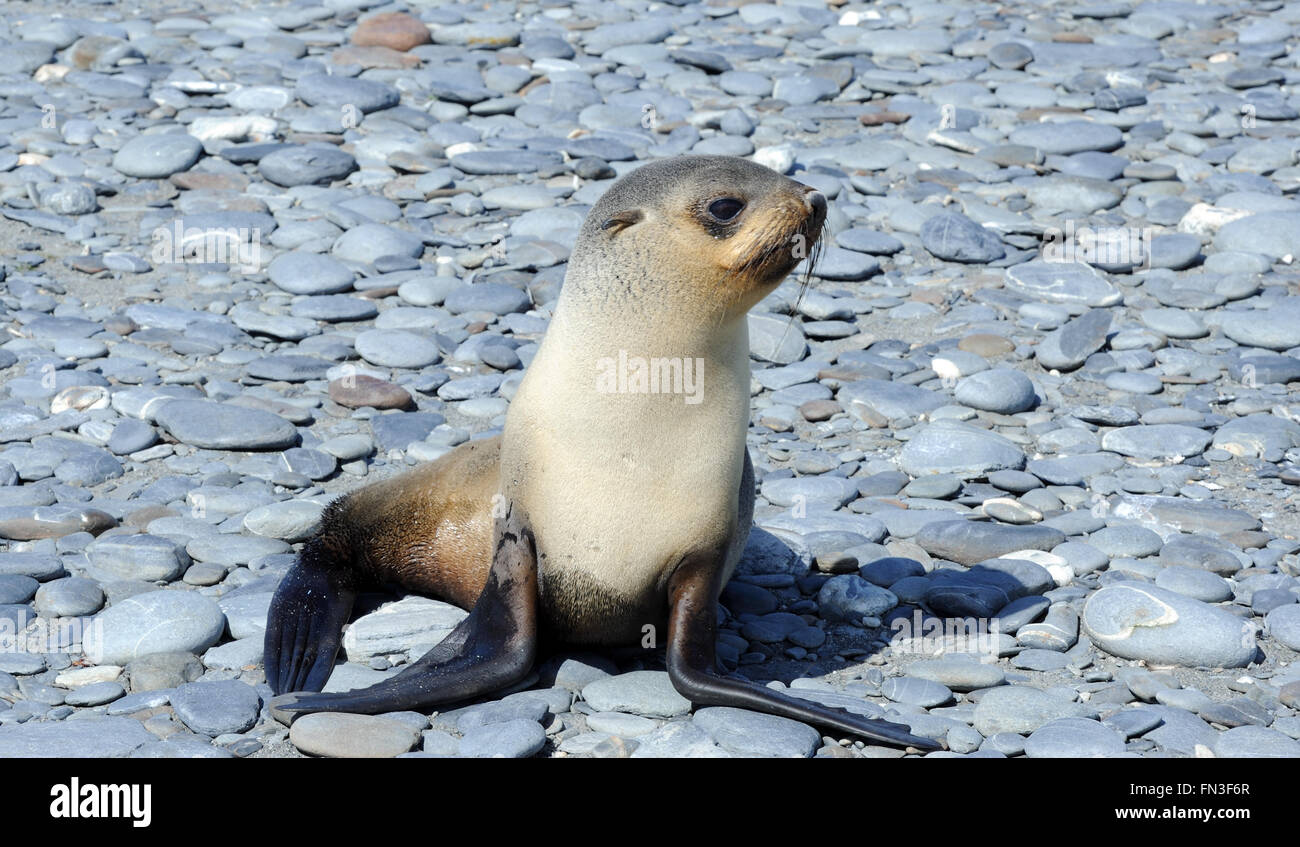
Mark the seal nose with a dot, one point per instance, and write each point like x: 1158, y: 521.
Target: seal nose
x: 815, y: 202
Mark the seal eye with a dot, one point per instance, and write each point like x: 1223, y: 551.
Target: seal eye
x: 726, y: 209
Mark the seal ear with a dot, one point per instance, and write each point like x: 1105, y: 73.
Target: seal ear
x: 620, y: 221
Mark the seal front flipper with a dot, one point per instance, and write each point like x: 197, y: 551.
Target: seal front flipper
x: 692, y: 633
x: 490, y: 649
x: 306, y: 618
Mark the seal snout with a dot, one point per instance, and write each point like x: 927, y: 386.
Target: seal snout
x: 815, y: 202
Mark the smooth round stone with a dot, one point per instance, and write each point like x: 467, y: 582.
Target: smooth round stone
x: 306, y: 165
x: 486, y: 162
x: 1176, y: 251
x: 340, y: 92
x: 1278, y: 328
x: 889, y: 570
x: 646, y: 693
x: 1068, y: 137
x: 158, y: 156
x: 334, y: 308
x: 288, y: 368
x: 958, y: 675
x: 1255, y: 742
x: 1095, y: 165
x: 950, y: 447
x: 925, y: 693
x: 1272, y: 234
x: 94, y: 737
x: 428, y: 290
x: 849, y: 597
x: 1020, y: 709
x: 937, y: 487
x: 1010, y: 55
x: 145, y: 557
x: 310, y: 273
x: 182, y: 748
x: 830, y: 491
x: 956, y: 238
x: 368, y: 242
x: 1195, y: 553
x: 842, y: 265
x: 1073, y: 194
x: 223, y: 426
x: 1141, y: 621
x: 215, y: 708
x: 501, y: 357
x: 288, y: 520
x: 1175, y: 323
x: 154, y: 622
x: 1157, y: 441
x: 229, y: 550
x: 624, y: 726
x: 397, y: 349
x: 1134, y: 541
x: 1002, y: 390
x: 345, y: 736
x: 514, y: 739
x: 69, y: 598
x: 1134, y: 383
x: 970, y: 542
x: 745, y: 83
x: 361, y: 390
x: 1016, y: 482
x: 1193, y: 582
x: 747, y: 733
x: 1284, y: 625
x: 868, y: 241
x: 17, y: 589
x: 38, y: 566
x: 491, y: 297
x: 130, y: 436
x: 1073, y: 738
x: 95, y: 694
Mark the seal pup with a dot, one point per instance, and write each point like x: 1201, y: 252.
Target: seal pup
x: 612, y: 503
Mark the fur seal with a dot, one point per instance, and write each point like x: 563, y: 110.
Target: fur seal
x: 615, y: 499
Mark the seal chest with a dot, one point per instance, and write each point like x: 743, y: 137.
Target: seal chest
x: 620, y: 484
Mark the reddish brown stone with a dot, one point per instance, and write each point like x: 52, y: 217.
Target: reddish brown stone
x: 395, y: 30
x: 42, y: 525
x: 878, y: 118
x: 361, y: 390
x: 820, y: 410
x: 145, y: 515
x: 986, y: 344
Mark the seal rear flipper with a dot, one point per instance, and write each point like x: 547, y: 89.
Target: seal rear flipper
x: 692, y: 635
x: 305, y: 621
x: 490, y: 649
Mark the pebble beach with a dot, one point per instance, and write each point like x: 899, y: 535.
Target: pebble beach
x: 1026, y: 434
